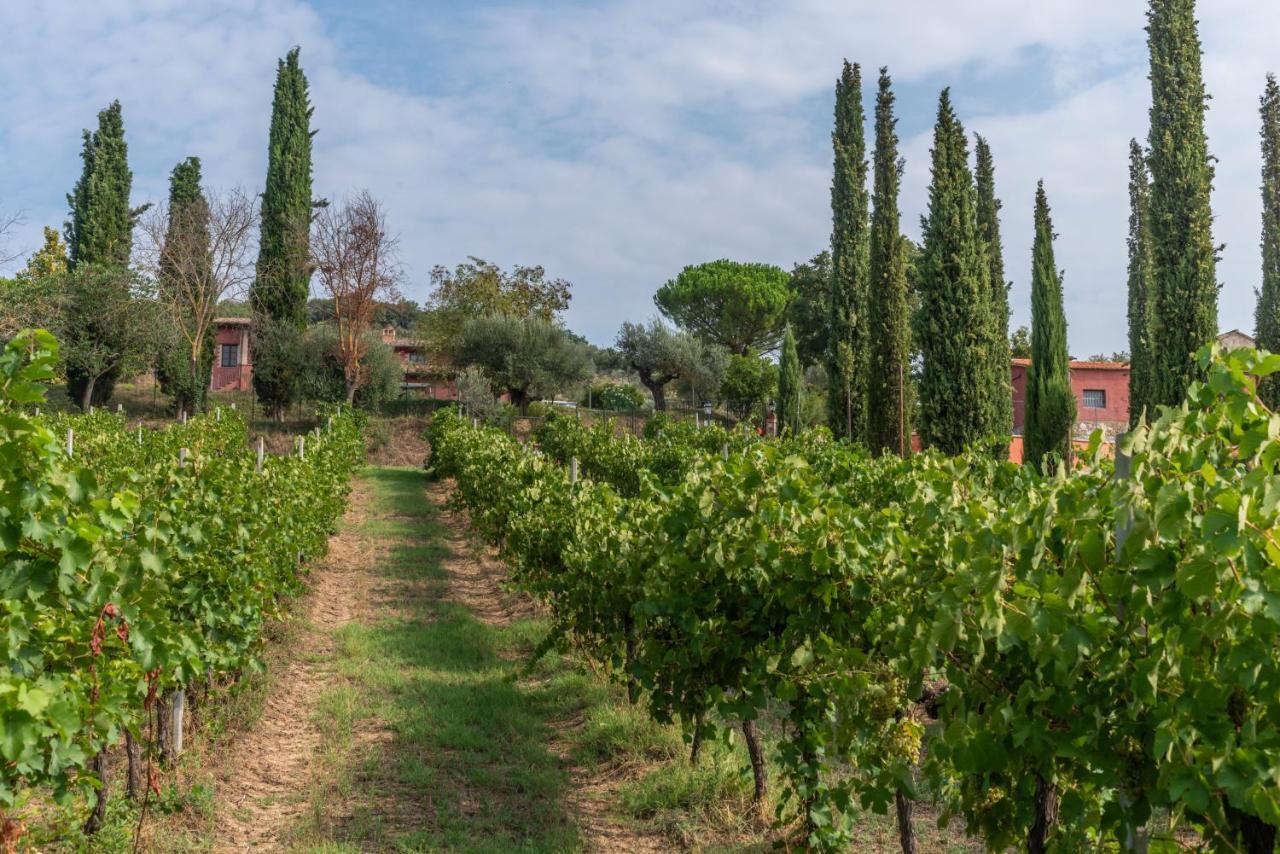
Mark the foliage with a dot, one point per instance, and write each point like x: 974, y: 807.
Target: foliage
x: 1020, y: 343
x: 1183, y: 253
x: 737, y: 306
x: 613, y: 396
x: 748, y: 382
x: 1141, y: 291
x: 110, y: 325
x: 888, y: 313
x: 48, y: 261
x: 660, y: 355
x: 186, y: 254
x: 475, y: 393
x: 1115, y: 675
x: 100, y: 233
x: 1051, y: 404
x: 324, y: 381
x: 847, y: 345
x: 790, y: 411
x: 809, y: 313
x: 279, y: 293
x: 1267, y: 315
x: 527, y: 357
x: 1000, y: 395
x: 477, y: 289
x: 132, y: 574
x: 953, y: 283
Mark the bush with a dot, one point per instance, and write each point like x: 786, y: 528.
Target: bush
x: 322, y: 379
x: 614, y: 397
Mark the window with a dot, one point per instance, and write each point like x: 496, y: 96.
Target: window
x: 417, y: 358
x: 230, y: 355
x: 1095, y: 398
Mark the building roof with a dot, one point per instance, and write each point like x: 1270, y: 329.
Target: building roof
x: 232, y: 321
x: 1084, y: 365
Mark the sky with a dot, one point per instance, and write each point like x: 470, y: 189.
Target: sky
x: 616, y: 142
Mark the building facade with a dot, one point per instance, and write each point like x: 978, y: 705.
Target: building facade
x: 1102, y: 396
x: 232, y: 359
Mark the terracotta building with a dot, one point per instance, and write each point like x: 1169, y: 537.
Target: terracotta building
x: 422, y: 377
x: 1101, y: 390
x: 232, y: 359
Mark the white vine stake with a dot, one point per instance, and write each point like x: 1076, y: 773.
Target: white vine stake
x: 71, y: 442
x: 261, y: 451
x: 217, y: 414
x: 182, y: 458
x: 183, y: 416
x: 119, y: 407
x: 573, y: 470
x: 139, y: 434
x: 302, y: 447
x: 724, y: 452
x: 179, y: 707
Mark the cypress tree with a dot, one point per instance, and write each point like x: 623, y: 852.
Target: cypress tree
x: 790, y: 385
x: 889, y: 320
x: 1051, y: 405
x: 1267, y: 316
x: 183, y: 378
x: 278, y: 297
x: 1184, y: 281
x: 952, y: 275
x: 847, y: 346
x: 1141, y: 380
x: 1000, y: 403
x: 100, y: 230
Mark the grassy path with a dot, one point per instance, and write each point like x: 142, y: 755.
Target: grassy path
x: 405, y: 720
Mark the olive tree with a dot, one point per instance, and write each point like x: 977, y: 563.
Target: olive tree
x: 528, y: 357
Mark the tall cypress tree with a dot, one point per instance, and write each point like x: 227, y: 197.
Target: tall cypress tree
x: 847, y: 346
x: 278, y: 297
x: 184, y: 378
x: 100, y: 230
x: 1000, y: 402
x: 1267, y: 315
x: 952, y: 274
x: 1051, y: 405
x: 1141, y: 381
x: 790, y: 385
x: 1184, y: 281
x: 888, y: 313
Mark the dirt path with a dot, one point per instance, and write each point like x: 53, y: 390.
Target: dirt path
x: 261, y: 777
x: 475, y: 578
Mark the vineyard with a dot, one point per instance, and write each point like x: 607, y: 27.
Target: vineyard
x: 139, y: 565
x: 1056, y: 662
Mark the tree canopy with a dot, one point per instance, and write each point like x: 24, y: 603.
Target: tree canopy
x: 810, y: 312
x: 735, y: 305
x: 478, y: 288
x: 659, y: 355
x: 527, y: 356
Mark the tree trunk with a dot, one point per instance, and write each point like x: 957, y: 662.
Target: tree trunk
x: 659, y: 392
x: 351, y: 394
x: 98, y: 766
x: 906, y: 832
x: 136, y: 786
x: 633, y: 689
x: 87, y: 400
x: 758, y: 768
x: 1046, y: 816
x: 1253, y: 834
x: 695, y: 749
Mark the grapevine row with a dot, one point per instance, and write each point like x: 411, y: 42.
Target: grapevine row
x: 131, y: 570
x: 1096, y: 647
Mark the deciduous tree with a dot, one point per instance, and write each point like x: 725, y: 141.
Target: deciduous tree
x: 355, y: 258
x: 810, y: 311
x: 478, y: 288
x: 527, y: 357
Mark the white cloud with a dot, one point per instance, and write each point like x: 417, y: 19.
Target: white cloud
x: 615, y: 143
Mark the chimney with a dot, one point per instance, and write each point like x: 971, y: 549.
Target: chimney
x: 388, y: 333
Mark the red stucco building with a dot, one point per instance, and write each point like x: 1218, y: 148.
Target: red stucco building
x: 1101, y: 390
x: 232, y: 360
x: 421, y: 377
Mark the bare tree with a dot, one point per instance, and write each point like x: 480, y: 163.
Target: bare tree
x: 199, y: 256
x: 356, y: 261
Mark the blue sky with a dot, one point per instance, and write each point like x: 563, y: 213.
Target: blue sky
x: 615, y: 142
